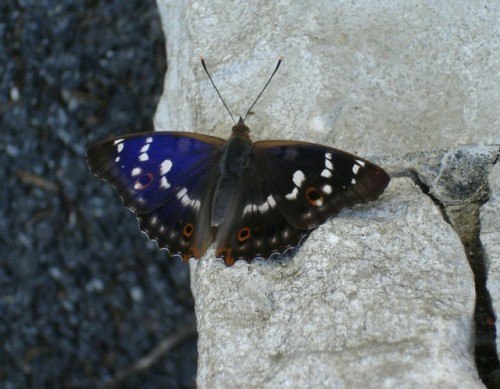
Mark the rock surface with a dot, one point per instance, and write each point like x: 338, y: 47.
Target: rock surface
x: 382, y: 295
x: 376, y: 79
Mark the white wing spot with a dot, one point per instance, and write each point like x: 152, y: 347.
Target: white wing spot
x: 136, y: 171
x: 181, y: 193
x: 249, y: 208
x: 267, y: 205
x: 326, y: 173
x: 186, y: 201
x: 145, y: 148
x: 353, y: 181
x: 149, y: 139
x: 360, y: 163
x: 153, y: 221
x: 293, y: 194
x: 118, y: 141
x: 119, y: 147
x: 355, y: 168
x: 165, y: 166
x: 143, y: 157
x: 298, y: 178
x: 117, y: 159
x: 327, y: 189
x: 264, y: 207
x: 271, y: 201
x: 164, y: 183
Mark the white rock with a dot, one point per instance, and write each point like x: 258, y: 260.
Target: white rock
x: 377, y: 78
x: 381, y: 296
x: 389, y: 305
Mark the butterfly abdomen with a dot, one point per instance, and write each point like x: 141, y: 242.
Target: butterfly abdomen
x: 233, y: 162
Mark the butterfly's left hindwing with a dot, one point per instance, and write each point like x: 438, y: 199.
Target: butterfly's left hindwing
x: 255, y: 227
x: 164, y: 177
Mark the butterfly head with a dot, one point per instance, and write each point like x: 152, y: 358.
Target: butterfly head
x: 240, y: 128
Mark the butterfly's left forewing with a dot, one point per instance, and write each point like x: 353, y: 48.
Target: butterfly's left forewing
x: 164, y: 177
x: 311, y: 183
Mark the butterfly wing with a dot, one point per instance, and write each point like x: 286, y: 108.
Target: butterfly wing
x: 254, y: 226
x: 168, y: 180
x: 311, y: 183
x: 287, y: 189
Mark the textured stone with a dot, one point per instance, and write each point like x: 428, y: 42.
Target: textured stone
x: 381, y: 296
x: 454, y: 176
x: 381, y: 78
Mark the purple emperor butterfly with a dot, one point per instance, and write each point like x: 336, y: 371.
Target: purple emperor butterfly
x: 255, y: 199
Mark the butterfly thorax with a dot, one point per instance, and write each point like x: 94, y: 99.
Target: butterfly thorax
x: 235, y: 151
x: 233, y: 162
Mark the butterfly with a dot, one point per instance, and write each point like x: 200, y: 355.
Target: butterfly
x: 254, y: 199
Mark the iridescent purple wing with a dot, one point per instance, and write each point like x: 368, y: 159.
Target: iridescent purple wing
x: 168, y: 180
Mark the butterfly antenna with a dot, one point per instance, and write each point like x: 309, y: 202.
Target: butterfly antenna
x: 213, y: 83
x: 265, y: 86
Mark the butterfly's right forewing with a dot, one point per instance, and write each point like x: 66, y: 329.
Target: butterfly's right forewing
x: 168, y: 180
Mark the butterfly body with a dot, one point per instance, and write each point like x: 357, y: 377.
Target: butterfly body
x: 233, y: 161
x: 256, y: 200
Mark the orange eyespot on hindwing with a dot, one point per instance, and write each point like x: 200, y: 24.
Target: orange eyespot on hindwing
x: 314, y: 196
x: 244, y: 234
x: 187, y: 231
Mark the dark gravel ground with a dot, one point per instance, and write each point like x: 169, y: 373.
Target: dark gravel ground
x: 85, y: 299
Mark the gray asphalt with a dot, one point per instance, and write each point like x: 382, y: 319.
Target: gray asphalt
x: 85, y: 299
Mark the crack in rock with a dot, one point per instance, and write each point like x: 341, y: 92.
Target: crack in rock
x: 457, y: 182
